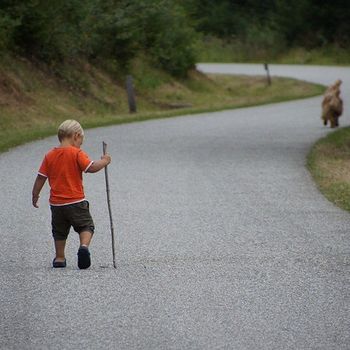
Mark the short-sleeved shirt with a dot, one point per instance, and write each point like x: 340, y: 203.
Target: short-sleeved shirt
x: 63, y: 166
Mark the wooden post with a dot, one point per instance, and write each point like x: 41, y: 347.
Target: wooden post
x: 131, y: 94
x: 266, y: 66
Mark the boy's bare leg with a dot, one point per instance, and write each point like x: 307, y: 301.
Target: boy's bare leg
x: 85, y: 238
x: 60, y: 246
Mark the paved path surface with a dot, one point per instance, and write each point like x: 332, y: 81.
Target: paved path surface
x: 223, y: 241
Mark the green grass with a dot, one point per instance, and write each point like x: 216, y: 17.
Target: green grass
x: 329, y: 164
x: 34, y: 101
x: 217, y: 50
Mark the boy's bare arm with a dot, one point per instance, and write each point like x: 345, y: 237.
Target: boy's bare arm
x: 38, y: 185
x: 97, y: 165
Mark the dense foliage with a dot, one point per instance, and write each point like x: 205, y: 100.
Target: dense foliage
x: 66, y: 29
x: 165, y: 31
x: 307, y: 23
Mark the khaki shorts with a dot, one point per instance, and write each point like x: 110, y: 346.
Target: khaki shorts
x: 66, y: 216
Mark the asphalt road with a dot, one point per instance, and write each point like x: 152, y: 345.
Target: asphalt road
x: 223, y: 240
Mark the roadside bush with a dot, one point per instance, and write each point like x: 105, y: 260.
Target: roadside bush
x: 166, y: 35
x: 50, y: 30
x: 157, y: 28
x: 7, y: 27
x: 262, y: 41
x: 9, y: 21
x: 110, y: 29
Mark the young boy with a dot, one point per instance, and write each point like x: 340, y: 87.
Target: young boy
x: 63, y: 167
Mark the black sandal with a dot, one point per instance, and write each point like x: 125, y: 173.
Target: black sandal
x: 56, y: 264
x: 84, y: 260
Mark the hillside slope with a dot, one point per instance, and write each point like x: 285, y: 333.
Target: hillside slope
x: 35, y: 98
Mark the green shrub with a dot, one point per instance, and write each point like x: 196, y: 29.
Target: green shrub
x: 50, y: 30
x: 7, y: 27
x: 158, y: 28
x: 110, y: 30
x: 168, y: 37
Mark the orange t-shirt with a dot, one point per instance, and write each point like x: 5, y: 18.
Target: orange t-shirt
x: 63, y: 166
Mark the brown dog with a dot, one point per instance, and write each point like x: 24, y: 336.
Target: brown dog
x: 332, y: 105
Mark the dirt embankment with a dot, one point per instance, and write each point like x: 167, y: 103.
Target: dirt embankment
x: 12, y: 92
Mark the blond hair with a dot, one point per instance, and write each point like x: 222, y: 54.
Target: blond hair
x: 68, y: 128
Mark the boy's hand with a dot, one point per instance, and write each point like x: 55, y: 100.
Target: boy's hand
x: 35, y: 201
x: 107, y: 158
x: 38, y: 185
x: 99, y: 164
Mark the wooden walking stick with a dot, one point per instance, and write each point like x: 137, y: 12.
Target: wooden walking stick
x: 104, y: 145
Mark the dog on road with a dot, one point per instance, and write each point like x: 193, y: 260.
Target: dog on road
x: 332, y: 105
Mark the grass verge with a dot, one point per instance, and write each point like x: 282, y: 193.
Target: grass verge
x: 329, y: 164
x: 218, y: 50
x: 34, y: 100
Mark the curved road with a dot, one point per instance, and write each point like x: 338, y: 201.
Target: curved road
x: 223, y: 240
